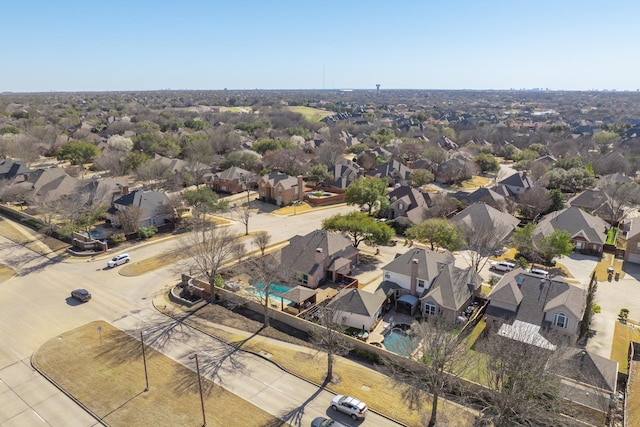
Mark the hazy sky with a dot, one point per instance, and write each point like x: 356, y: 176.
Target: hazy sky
x: 91, y: 45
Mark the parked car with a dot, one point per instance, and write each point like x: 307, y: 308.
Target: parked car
x: 539, y: 272
x: 351, y: 406
x: 326, y: 422
x: 81, y: 295
x: 119, y: 260
x: 502, y: 266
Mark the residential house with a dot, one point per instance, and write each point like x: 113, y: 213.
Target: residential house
x: 408, y: 205
x: 594, y: 201
x: 317, y: 257
x: 280, y: 188
x: 482, y: 218
x: 345, y: 174
x: 588, y: 232
x: 484, y: 195
x: 154, y: 207
x: 181, y: 167
x: 429, y: 282
x: 458, y: 167
x: 525, y: 307
x: 9, y: 169
x: 393, y: 171
x: 357, y: 308
x: 547, y: 160
x: 632, y: 252
x: 46, y: 184
x: 517, y: 183
x: 233, y: 180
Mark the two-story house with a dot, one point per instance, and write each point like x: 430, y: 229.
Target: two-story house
x: 280, y: 188
x: 232, y: 180
x: 588, y: 232
x: 429, y: 282
x: 154, y: 208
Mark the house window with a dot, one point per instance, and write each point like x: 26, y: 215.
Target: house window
x: 430, y: 309
x: 638, y: 245
x: 579, y: 245
x: 560, y: 320
x: 420, y: 284
x: 401, y: 206
x: 305, y: 278
x: 280, y: 190
x: 387, y: 275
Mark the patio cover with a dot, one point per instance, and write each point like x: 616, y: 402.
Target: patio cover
x: 299, y: 294
x: 410, y: 300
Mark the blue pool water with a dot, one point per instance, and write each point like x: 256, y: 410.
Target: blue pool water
x: 399, y: 342
x: 274, y: 294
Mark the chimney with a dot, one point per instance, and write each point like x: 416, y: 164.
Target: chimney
x: 524, y: 173
x: 319, y: 256
x: 300, y: 188
x: 414, y: 277
x: 124, y: 189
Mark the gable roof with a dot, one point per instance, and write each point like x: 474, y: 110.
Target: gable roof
x: 453, y: 286
x: 300, y: 253
x: 150, y: 202
x: 518, y: 179
x: 357, y: 301
x: 575, y: 221
x: 428, y: 262
x: 589, y: 368
x: 481, y: 216
x: 482, y: 194
x: 589, y: 199
x: 11, y: 168
x: 534, y: 296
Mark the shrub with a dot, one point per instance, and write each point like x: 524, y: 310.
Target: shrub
x: 117, y: 239
x: 147, y: 232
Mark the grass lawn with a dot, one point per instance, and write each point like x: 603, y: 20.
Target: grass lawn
x: 293, y: 209
x: 475, y: 182
x: 311, y: 114
x: 605, y: 263
x: 622, y: 336
x: 108, y: 378
x: 633, y: 398
x: 611, y: 236
x: 152, y: 263
x: 10, y: 232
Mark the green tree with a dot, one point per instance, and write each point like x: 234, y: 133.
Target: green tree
x: 360, y: 227
x: 367, y: 191
x: 557, y: 200
x: 523, y: 240
x: 589, y: 310
x: 486, y: 162
x: 420, y: 177
x: 555, y: 244
x: 204, y: 200
x: 78, y: 152
x: 319, y: 174
x: 437, y: 232
x: 134, y: 159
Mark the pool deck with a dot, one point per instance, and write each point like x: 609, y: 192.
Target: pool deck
x: 385, y: 325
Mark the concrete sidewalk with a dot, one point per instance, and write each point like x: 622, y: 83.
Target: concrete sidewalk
x: 250, y: 376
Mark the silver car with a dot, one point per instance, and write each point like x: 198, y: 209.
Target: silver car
x: 326, y: 422
x: 351, y: 406
x: 118, y: 260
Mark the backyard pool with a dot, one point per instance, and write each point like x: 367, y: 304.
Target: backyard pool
x: 274, y: 294
x: 399, y: 342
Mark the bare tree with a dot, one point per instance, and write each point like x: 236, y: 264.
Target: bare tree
x: 330, y: 152
x: 440, y: 359
x: 265, y: 273
x: 129, y: 218
x: 482, y: 239
x: 261, y: 239
x: 25, y: 148
x: 111, y: 160
x: 154, y: 174
x: 330, y: 337
x: 621, y: 196
x: 209, y: 248
x: 244, y: 213
x: 522, y: 386
x: 534, y: 202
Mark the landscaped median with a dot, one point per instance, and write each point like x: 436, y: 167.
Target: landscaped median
x: 102, y: 368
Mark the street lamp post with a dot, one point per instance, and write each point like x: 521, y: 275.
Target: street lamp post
x: 144, y: 360
x: 204, y: 419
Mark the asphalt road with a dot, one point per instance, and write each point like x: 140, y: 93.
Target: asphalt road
x: 35, y: 306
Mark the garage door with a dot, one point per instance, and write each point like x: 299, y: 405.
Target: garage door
x: 634, y: 258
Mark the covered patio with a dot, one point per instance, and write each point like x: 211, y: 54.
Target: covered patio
x: 407, y: 303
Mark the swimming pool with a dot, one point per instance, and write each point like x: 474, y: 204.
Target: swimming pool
x: 274, y: 293
x: 399, y: 342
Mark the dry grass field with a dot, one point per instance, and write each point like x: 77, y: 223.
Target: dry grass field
x: 107, y: 376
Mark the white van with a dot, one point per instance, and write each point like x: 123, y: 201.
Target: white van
x: 502, y: 266
x: 539, y: 272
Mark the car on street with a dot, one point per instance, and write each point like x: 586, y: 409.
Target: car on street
x: 351, y: 406
x: 326, y: 422
x: 118, y: 260
x: 81, y: 295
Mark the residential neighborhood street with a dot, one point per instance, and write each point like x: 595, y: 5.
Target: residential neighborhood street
x: 35, y: 306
